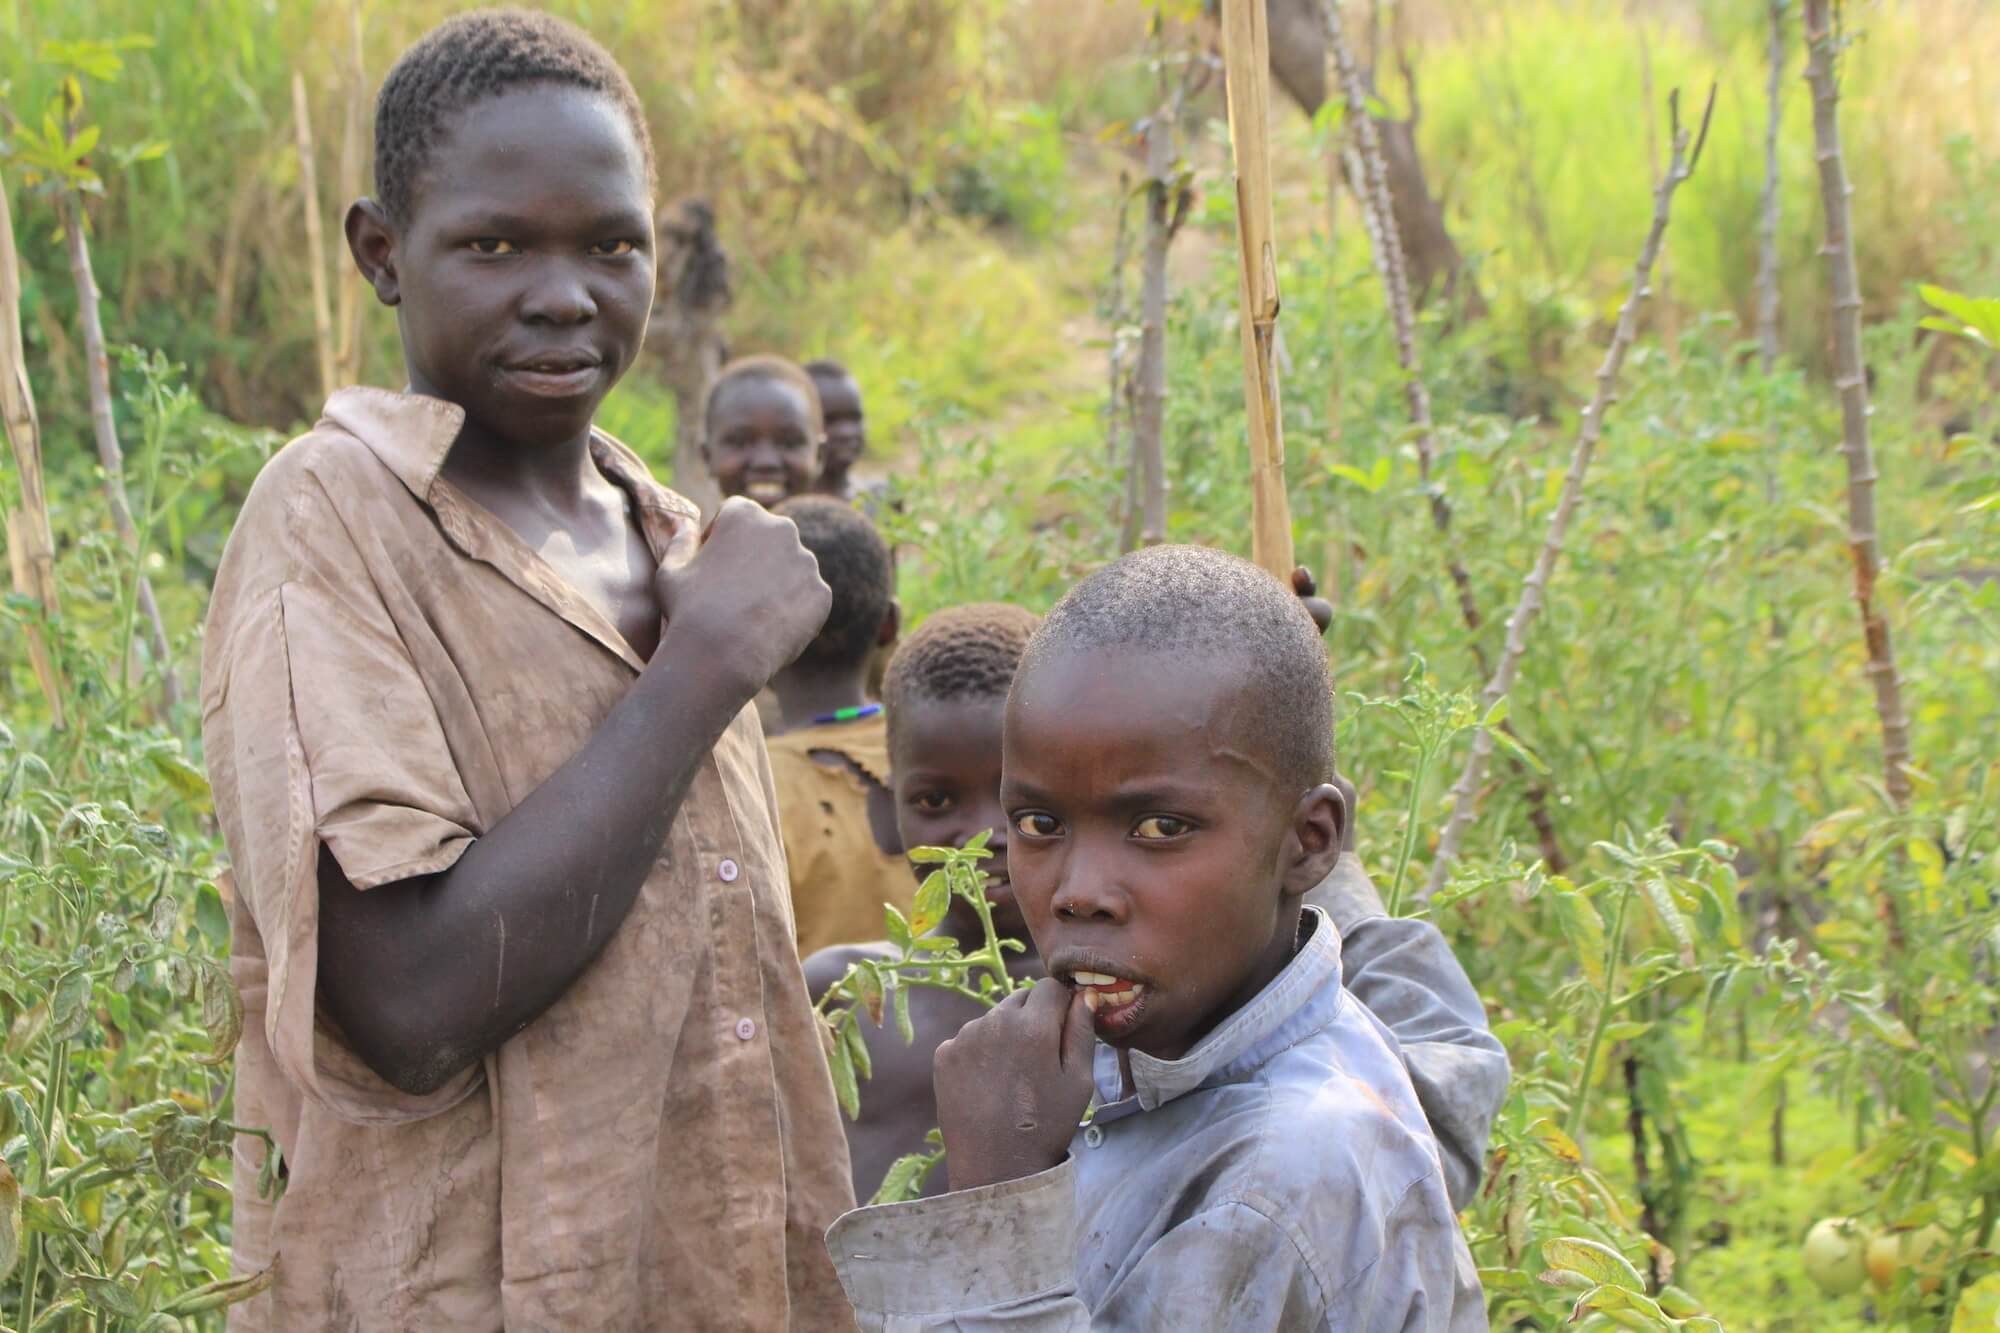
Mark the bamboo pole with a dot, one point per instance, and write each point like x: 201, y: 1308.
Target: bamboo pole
x: 1246, y: 65
x: 347, y: 310
x: 31, y: 551
x: 1767, y: 211
x: 315, y: 238
x: 104, y: 427
x: 1685, y: 153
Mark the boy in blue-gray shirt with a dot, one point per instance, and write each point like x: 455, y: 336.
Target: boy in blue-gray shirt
x: 1258, y: 1157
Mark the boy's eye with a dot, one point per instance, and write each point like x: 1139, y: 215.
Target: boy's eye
x: 613, y: 249
x: 1034, y: 824
x: 492, y: 245
x: 1157, y: 827
x: 931, y: 802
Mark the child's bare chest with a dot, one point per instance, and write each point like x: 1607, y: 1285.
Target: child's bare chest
x: 617, y: 579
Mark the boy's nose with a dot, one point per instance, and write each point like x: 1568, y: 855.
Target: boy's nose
x: 1088, y: 897
x: 560, y: 297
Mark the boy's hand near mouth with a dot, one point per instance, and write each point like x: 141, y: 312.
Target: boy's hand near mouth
x: 1012, y: 1085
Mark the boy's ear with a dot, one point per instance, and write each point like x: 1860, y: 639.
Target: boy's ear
x: 1319, y: 828
x: 372, y: 241
x: 892, y: 624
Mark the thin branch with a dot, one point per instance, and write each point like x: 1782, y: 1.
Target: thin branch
x: 97, y: 375
x: 31, y: 547
x: 354, y: 127
x: 1148, y: 442
x: 315, y: 240
x: 1767, y: 212
x: 1369, y: 172
x: 1685, y: 154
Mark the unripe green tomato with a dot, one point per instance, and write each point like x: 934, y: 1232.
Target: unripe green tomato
x: 120, y: 1148
x: 1926, y: 1252
x: 1834, y: 1255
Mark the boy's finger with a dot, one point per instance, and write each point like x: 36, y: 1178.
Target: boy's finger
x: 1079, y: 1042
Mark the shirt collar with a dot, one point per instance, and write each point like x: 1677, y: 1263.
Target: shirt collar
x: 1300, y: 1001
x: 410, y: 432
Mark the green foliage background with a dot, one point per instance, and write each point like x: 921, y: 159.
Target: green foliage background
x: 928, y: 189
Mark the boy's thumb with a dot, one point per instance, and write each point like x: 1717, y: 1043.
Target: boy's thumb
x: 1079, y: 1040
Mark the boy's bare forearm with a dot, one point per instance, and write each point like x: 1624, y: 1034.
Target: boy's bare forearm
x: 427, y: 976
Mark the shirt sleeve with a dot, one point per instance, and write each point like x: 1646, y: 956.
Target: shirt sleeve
x: 318, y: 730
x: 1407, y: 975
x: 1004, y: 1258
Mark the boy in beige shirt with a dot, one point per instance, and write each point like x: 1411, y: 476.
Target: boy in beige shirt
x: 522, y: 1007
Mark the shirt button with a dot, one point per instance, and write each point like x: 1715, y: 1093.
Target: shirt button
x: 728, y: 870
x: 746, y: 1028
x: 1094, y: 1136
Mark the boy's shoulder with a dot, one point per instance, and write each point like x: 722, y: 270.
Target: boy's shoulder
x: 1324, y: 1139
x: 829, y: 965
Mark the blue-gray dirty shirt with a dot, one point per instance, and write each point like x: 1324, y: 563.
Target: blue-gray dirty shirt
x: 1281, y: 1175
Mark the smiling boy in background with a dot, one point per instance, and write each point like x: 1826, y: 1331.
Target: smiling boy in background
x: 1258, y: 1158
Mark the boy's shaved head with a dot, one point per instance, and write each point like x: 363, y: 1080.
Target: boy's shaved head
x: 964, y: 652
x: 855, y: 562
x: 1176, y: 600
x: 763, y: 367
x: 826, y: 368
x: 472, y: 57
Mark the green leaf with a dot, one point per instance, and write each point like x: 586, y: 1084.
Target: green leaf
x: 857, y: 1050
x: 844, y: 1085
x: 113, y: 1298
x: 1884, y: 1025
x: 868, y: 990
x: 1496, y: 714
x: 1354, y: 475
x: 178, y: 1144
x: 183, y: 777
x: 216, y: 1295
x: 221, y: 1012
x: 1583, y: 928
x: 69, y: 1005
x: 933, y: 897
x: 895, y: 927
x: 901, y: 1004
x: 1670, y: 915
x: 1508, y: 742
x: 1596, y: 1261
x: 905, y: 1178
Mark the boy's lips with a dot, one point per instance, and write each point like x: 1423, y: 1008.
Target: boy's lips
x: 555, y: 374
x: 1116, y: 999
x: 765, y: 493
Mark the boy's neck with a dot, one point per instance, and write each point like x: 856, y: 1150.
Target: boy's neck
x: 807, y: 693
x: 558, y: 474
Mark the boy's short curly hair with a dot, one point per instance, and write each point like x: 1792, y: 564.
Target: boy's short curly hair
x: 1180, y: 600
x: 855, y: 562
x: 466, y: 60
x: 964, y: 652
x: 764, y: 367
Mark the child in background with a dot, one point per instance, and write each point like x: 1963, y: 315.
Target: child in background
x: 830, y: 753
x: 945, y: 697
x: 1257, y: 1158
x: 846, y: 430
x: 944, y: 694
x: 521, y: 1007
x: 762, y: 430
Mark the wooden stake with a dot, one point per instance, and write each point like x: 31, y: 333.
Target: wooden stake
x: 315, y: 239
x: 1246, y: 65
x: 31, y: 552
x: 1851, y: 379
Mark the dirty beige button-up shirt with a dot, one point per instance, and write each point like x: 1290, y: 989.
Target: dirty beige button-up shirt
x: 389, y: 670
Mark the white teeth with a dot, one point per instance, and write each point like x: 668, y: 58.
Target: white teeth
x: 1092, y: 979
x: 1092, y: 999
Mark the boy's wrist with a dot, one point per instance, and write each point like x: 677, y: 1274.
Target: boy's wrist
x: 701, y: 661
